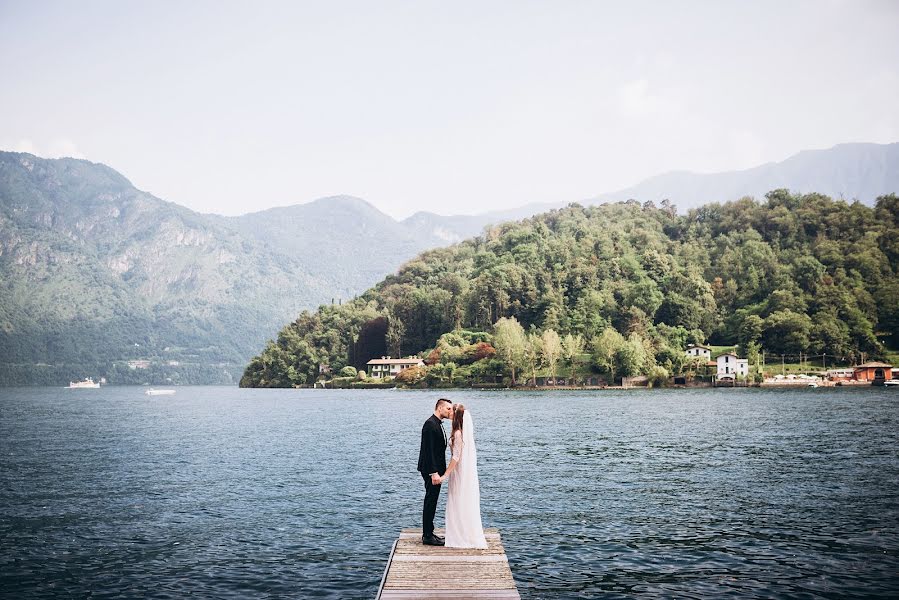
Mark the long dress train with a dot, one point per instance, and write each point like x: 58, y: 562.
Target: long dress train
x: 463, y: 500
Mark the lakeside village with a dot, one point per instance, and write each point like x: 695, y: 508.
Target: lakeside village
x: 703, y: 366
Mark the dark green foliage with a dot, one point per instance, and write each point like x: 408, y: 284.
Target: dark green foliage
x: 328, y: 336
x: 370, y: 343
x: 795, y: 273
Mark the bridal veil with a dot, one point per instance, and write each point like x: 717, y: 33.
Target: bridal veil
x: 463, y: 503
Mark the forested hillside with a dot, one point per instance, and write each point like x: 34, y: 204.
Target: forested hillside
x: 789, y: 274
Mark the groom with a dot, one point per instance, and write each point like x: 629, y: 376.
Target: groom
x: 431, y: 465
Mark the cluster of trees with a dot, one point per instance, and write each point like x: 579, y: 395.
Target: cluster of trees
x: 621, y: 289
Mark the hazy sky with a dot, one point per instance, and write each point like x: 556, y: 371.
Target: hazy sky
x: 453, y: 107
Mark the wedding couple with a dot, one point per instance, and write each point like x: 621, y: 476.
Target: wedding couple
x: 463, y: 502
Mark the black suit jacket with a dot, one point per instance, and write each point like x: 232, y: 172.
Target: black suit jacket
x: 432, y: 454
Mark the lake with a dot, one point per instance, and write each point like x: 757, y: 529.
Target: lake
x: 229, y: 493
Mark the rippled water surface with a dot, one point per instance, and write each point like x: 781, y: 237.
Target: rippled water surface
x: 229, y: 493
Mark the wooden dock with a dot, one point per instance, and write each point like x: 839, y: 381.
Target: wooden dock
x: 418, y: 571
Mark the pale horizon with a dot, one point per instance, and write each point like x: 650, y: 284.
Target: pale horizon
x: 454, y: 110
x: 413, y: 212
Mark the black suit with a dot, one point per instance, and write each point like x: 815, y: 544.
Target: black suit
x: 431, y: 459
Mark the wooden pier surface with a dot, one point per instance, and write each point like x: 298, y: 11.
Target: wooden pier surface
x: 418, y: 571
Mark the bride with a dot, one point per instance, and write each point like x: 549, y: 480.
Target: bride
x: 463, y: 501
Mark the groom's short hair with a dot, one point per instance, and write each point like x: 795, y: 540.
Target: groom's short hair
x: 436, y: 406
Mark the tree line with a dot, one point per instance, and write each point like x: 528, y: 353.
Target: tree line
x: 619, y: 290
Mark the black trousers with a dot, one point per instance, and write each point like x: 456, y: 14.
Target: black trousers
x: 432, y: 492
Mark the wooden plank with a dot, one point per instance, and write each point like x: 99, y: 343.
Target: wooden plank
x: 416, y: 531
x: 455, y: 594
x: 418, y: 571
x: 456, y: 558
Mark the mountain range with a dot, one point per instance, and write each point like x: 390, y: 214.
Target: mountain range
x: 100, y: 278
x: 846, y: 171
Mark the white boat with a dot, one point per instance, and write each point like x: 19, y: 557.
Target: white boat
x: 152, y: 392
x: 891, y: 382
x: 87, y: 383
x: 813, y: 384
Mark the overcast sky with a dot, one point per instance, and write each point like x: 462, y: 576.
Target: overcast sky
x: 452, y: 107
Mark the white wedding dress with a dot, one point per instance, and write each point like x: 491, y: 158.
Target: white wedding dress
x: 463, y: 500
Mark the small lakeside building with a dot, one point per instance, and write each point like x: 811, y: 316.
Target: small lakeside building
x: 873, y: 372
x: 699, y: 352
x: 730, y: 365
x: 840, y: 374
x: 390, y: 367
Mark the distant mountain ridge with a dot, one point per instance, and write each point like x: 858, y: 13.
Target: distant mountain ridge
x: 856, y: 171
x: 847, y: 171
x: 344, y: 240
x: 94, y: 272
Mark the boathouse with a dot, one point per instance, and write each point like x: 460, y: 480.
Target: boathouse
x: 874, y: 372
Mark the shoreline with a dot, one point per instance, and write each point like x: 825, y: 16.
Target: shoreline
x: 769, y: 386
x: 558, y: 388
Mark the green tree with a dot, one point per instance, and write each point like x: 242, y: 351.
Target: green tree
x: 533, y: 354
x: 753, y: 353
x: 394, y: 338
x: 443, y: 372
x: 786, y: 332
x: 572, y: 349
x: 886, y: 297
x: 605, y: 350
x: 657, y: 376
x: 552, y: 350
x: 751, y: 329
x: 631, y: 357
x: 511, y: 344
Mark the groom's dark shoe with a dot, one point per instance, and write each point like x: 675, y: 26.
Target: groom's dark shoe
x: 431, y: 540
x: 438, y: 538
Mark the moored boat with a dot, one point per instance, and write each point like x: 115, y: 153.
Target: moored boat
x: 152, y: 392
x: 87, y: 383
